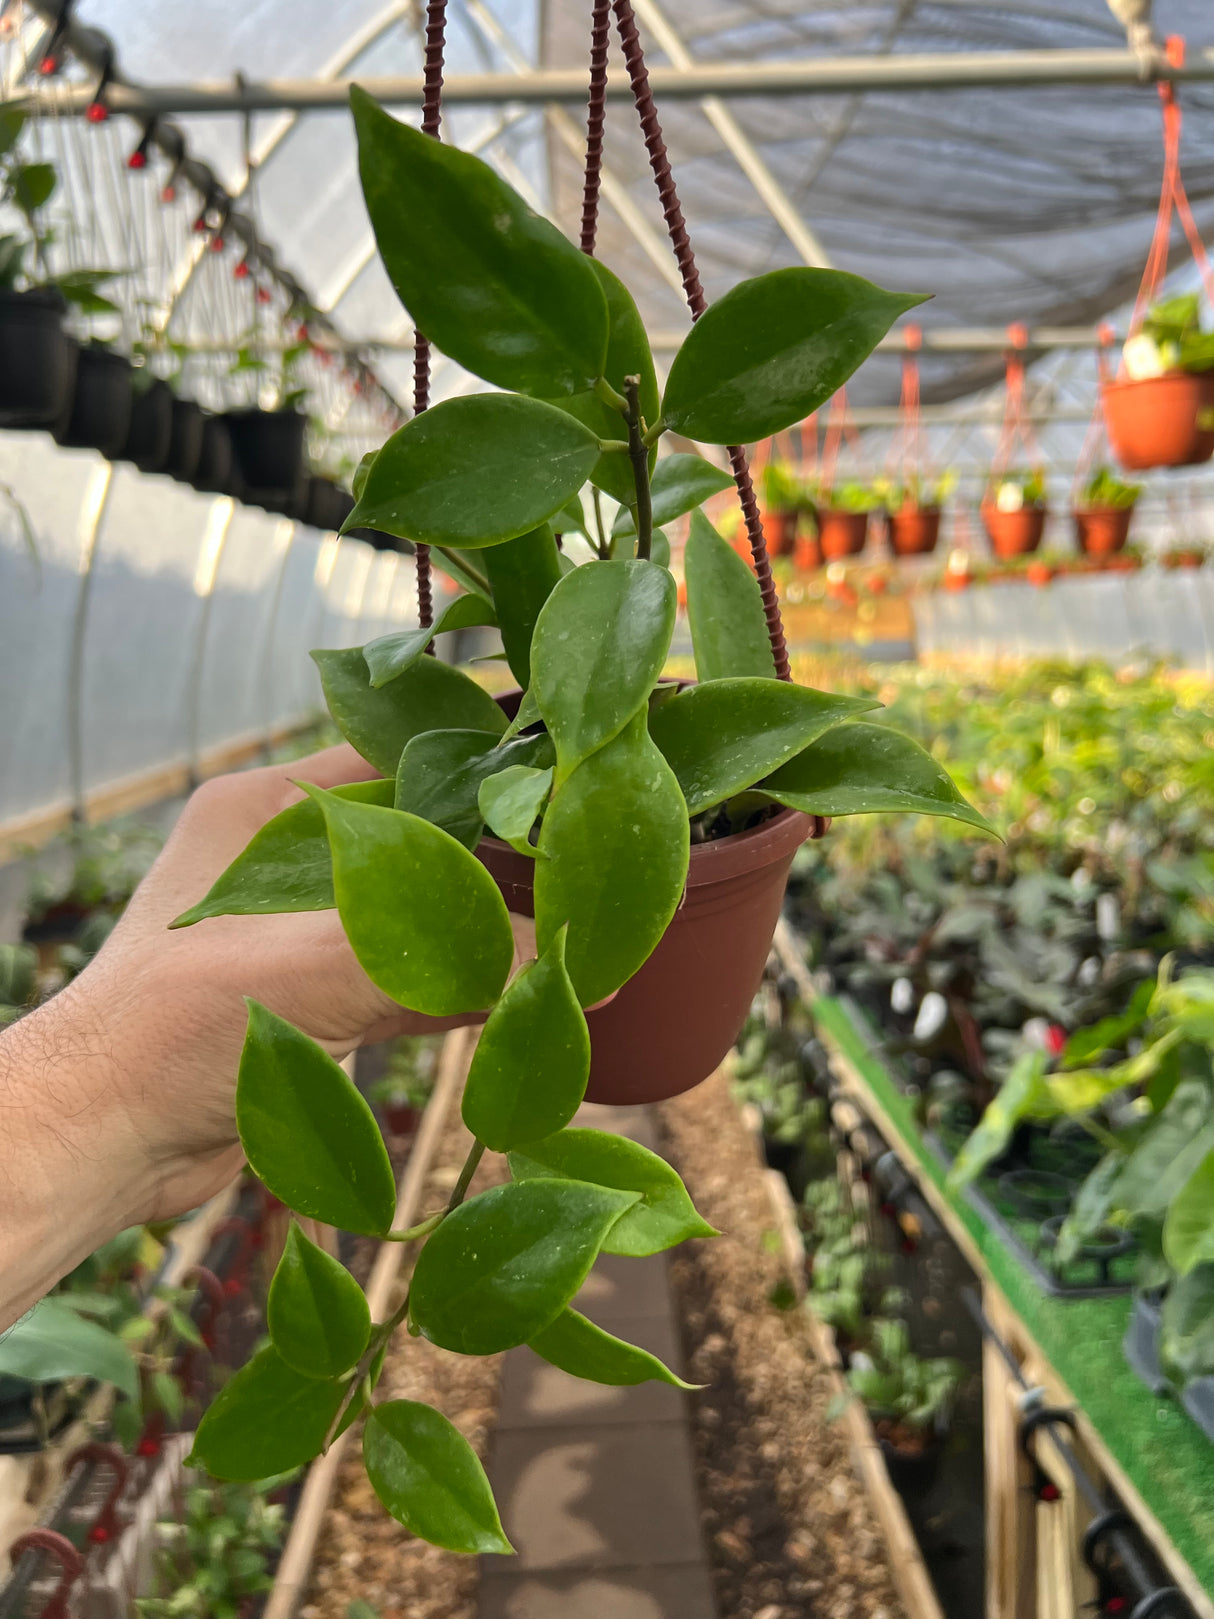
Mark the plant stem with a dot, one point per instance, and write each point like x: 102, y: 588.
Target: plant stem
x: 638, y: 454
x: 471, y: 1162
x: 473, y: 573
x: 604, y: 548
x: 416, y: 1231
x: 609, y: 396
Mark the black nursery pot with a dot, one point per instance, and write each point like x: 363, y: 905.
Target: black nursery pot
x: 216, y: 463
x: 99, y: 416
x: 185, y: 440
x: 37, y: 359
x: 269, y: 450
x: 150, y: 435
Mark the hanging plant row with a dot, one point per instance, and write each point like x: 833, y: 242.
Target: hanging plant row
x: 649, y: 827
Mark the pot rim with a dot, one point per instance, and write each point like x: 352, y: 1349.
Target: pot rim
x: 1122, y: 384
x: 41, y: 297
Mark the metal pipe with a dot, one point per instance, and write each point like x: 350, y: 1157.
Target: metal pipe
x: 838, y: 75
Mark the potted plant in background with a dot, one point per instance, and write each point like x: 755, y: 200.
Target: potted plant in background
x: 403, y: 1090
x: 908, y: 1398
x: 783, y: 499
x: 1014, y: 510
x: 269, y: 445
x: 1188, y: 554
x: 914, y: 507
x: 1160, y: 409
x: 1103, y: 511
x: 648, y: 826
x: 841, y: 513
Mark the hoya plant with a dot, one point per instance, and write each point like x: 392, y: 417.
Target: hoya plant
x: 597, y: 776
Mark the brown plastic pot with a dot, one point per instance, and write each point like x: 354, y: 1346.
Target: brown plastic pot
x: 673, y: 1022
x: 1013, y: 534
x: 914, y: 530
x: 1157, y: 422
x: 1101, y: 530
x: 1183, y: 559
x: 808, y: 553
x: 779, y: 532
x: 841, y: 534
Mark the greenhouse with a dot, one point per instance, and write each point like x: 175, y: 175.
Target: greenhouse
x: 606, y: 803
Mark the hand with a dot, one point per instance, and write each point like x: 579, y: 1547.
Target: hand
x: 119, y: 1095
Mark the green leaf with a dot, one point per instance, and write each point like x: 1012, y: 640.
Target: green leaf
x: 284, y: 867
x: 1186, y: 1336
x: 53, y: 1342
x: 307, y: 1132
x: 12, y: 122
x: 429, y: 696
x: 456, y: 565
x: 494, y: 285
x: 472, y: 472
x: 724, y: 608
x: 599, y: 646
x: 628, y: 354
x: 665, y: 1214
x: 441, y: 773
x: 613, y: 855
x: 511, y: 800
x: 391, y: 655
x: 428, y: 1476
x: 446, y: 946
x: 503, y: 1266
x: 31, y: 185
x: 266, y: 1419
x: 1110, y: 1033
x: 1169, y: 1152
x: 773, y: 350
x: 318, y: 1318
x: 680, y: 484
x: 523, y: 573
x: 1023, y: 1095
x: 1188, y: 1229
x: 862, y: 769
x: 729, y: 734
x: 167, y: 1396
x: 529, y: 1070
x: 580, y: 1348
x: 659, y: 548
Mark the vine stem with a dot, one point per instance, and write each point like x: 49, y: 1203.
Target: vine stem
x: 638, y: 454
x: 385, y: 1329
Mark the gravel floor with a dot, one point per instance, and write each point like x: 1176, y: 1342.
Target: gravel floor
x: 788, y: 1527
x: 363, y: 1553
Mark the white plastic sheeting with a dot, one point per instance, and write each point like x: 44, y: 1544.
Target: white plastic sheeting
x: 157, y: 626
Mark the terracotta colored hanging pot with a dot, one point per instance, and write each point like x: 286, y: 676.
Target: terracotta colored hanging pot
x: 779, y: 532
x: 1013, y: 534
x: 808, y: 553
x: 1183, y: 559
x: 1102, y: 530
x: 674, y: 1021
x: 1039, y: 574
x: 841, y: 534
x: 1163, y: 421
x: 914, y: 530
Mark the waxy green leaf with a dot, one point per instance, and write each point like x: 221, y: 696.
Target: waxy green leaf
x: 423, y: 916
x: 266, y: 1419
x: 580, y: 1348
x: 1188, y: 1228
x: 859, y: 769
x: 307, y: 1132
x: 503, y: 1266
x: 725, y: 736
x: 628, y: 354
x: 529, y: 1070
x: 724, y: 608
x: 665, y: 1214
x: 391, y: 655
x: 318, y: 1318
x: 284, y: 867
x: 428, y: 1476
x: 680, y: 484
x: 494, y: 285
x: 511, y: 800
x: 523, y: 573
x: 598, y: 650
x: 53, y: 1342
x: 624, y: 803
x: 773, y: 350
x: 429, y: 696
x: 472, y: 472
x: 441, y: 773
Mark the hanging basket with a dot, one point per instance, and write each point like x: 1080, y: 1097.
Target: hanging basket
x: 914, y: 531
x: 1163, y: 421
x: 185, y: 440
x: 149, y: 438
x: 1013, y: 534
x: 216, y: 464
x: 269, y: 449
x: 322, y: 507
x: 37, y: 359
x: 99, y: 414
x: 1102, y: 530
x: 841, y: 534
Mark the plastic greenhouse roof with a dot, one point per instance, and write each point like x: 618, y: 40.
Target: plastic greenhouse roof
x: 1011, y: 204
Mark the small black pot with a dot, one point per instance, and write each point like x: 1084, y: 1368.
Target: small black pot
x: 343, y: 505
x: 327, y: 506
x: 269, y: 450
x: 37, y: 359
x: 185, y: 441
x: 911, y: 1473
x: 213, y: 474
x: 150, y: 436
x: 99, y: 416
